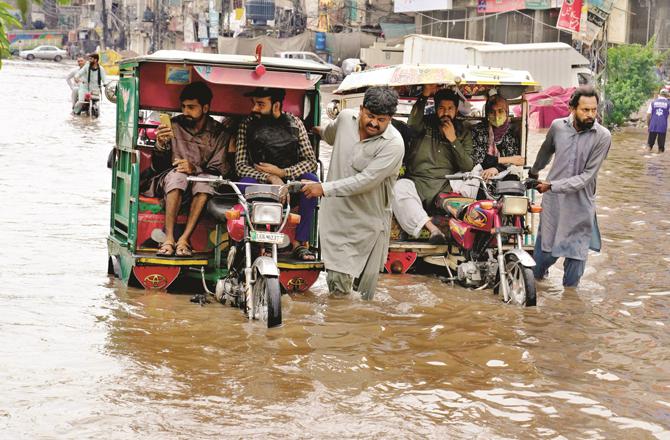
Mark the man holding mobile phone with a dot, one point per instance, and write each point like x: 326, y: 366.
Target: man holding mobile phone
x: 193, y: 144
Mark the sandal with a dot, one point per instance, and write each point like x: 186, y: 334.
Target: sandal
x: 166, y: 250
x: 184, y: 250
x: 303, y: 253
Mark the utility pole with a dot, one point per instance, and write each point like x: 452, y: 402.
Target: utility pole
x: 105, y: 30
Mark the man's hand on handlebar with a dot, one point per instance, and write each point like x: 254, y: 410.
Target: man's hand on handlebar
x: 312, y: 190
x: 543, y: 187
x: 489, y: 173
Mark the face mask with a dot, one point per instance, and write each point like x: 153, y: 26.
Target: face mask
x: 497, y: 121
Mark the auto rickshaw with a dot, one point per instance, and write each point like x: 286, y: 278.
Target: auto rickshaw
x: 152, y: 83
x: 473, y: 84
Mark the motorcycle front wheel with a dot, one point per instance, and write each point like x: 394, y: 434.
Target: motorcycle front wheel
x: 267, y: 300
x: 520, y: 282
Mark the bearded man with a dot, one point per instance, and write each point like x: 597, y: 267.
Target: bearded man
x: 196, y: 144
x: 273, y: 147
x: 568, y: 227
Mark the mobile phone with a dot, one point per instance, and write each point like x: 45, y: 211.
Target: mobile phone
x: 165, y: 120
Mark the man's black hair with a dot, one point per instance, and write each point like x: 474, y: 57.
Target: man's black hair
x: 94, y: 55
x: 278, y: 95
x: 448, y: 95
x: 587, y: 91
x: 381, y: 100
x: 197, y: 90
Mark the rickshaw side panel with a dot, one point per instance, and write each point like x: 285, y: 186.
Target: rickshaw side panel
x: 125, y: 169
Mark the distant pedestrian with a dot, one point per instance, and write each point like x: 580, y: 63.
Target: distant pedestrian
x: 657, y: 120
x: 568, y: 226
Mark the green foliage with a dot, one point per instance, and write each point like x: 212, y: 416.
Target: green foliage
x: 630, y: 79
x: 7, y: 20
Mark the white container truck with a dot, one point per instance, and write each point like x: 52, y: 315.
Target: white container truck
x: 551, y: 64
x: 424, y: 49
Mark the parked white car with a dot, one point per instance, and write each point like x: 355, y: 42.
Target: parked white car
x: 43, y: 53
x: 335, y: 74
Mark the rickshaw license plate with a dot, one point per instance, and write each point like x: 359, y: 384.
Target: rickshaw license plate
x: 267, y: 237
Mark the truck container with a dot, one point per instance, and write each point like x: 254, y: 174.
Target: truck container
x: 551, y: 64
x: 424, y: 49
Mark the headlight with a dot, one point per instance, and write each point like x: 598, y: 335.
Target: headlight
x: 514, y: 205
x: 263, y: 213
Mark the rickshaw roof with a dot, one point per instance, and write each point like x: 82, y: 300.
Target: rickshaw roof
x: 447, y: 74
x: 230, y: 60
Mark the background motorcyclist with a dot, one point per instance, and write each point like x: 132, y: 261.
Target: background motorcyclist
x: 73, y: 81
x: 91, y: 78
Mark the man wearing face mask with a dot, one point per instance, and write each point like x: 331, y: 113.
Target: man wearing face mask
x: 442, y: 146
x: 195, y: 144
x: 494, y: 145
x: 272, y: 147
x: 568, y: 226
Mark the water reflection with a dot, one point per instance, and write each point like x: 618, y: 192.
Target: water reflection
x: 83, y: 355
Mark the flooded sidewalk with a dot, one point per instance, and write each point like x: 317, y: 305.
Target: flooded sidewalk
x: 83, y: 356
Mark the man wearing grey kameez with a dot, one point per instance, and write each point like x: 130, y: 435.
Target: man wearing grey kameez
x: 355, y: 220
x: 568, y: 225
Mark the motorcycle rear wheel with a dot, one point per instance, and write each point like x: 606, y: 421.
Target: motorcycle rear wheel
x: 520, y: 282
x: 267, y: 300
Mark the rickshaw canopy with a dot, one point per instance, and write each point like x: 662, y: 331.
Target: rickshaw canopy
x: 474, y: 79
x: 163, y: 74
x: 241, y: 69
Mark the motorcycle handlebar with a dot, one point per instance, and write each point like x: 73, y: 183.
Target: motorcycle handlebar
x: 458, y: 176
x: 294, y: 187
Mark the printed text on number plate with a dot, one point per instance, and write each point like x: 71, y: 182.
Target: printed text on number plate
x: 267, y: 237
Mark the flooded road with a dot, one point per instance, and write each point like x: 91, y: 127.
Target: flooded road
x: 82, y: 356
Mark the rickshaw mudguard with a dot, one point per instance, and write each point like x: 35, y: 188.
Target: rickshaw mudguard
x: 399, y: 262
x: 266, y: 266
x: 298, y: 280
x: 524, y: 257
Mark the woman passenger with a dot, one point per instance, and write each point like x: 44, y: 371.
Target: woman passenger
x: 494, y: 145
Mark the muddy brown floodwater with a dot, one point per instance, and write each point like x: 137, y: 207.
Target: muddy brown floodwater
x: 82, y: 356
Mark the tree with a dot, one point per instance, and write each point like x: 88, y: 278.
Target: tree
x: 7, y: 20
x: 630, y: 79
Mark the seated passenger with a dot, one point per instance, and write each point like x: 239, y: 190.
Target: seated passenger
x: 494, y: 145
x: 273, y: 146
x: 195, y: 145
x: 442, y: 146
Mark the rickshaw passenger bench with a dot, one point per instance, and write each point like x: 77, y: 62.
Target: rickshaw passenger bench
x: 151, y: 217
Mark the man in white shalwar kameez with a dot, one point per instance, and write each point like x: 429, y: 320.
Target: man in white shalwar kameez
x: 355, y: 215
